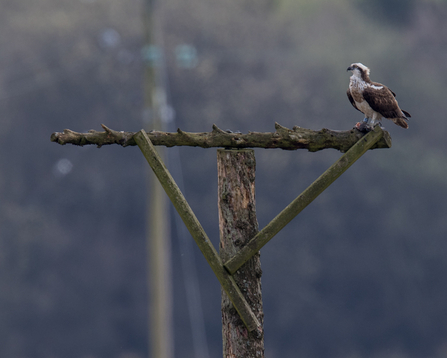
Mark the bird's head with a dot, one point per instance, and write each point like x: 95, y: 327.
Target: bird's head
x: 359, y: 70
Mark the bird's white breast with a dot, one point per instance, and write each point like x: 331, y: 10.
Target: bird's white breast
x: 365, y: 108
x: 357, y: 86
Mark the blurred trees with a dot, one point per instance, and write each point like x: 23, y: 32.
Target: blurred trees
x: 360, y: 273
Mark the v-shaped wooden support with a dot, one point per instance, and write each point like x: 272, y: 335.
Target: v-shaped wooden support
x: 224, y: 272
x: 304, y: 199
x: 196, y: 231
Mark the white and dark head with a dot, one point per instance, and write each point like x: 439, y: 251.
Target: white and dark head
x: 359, y: 70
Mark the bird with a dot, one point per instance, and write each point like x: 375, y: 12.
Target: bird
x: 373, y: 99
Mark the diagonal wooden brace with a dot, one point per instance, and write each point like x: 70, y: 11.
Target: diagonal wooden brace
x: 304, y: 199
x: 196, y: 230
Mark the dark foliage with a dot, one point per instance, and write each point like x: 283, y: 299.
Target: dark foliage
x: 361, y: 272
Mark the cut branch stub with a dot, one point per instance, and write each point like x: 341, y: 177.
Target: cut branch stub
x: 109, y: 136
x: 282, y: 138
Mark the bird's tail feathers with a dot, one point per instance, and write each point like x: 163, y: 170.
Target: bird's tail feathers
x: 402, y: 122
x: 406, y: 113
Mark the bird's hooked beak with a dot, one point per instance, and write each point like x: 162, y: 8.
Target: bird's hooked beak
x: 350, y: 68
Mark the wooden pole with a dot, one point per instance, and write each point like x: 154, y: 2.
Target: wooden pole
x: 237, y: 224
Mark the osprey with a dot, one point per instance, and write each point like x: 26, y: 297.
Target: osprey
x: 373, y: 99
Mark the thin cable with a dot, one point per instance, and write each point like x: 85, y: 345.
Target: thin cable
x: 187, y: 259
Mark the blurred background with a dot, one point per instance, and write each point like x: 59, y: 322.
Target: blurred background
x: 361, y: 272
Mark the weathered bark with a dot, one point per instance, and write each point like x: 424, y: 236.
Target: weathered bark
x: 237, y: 224
x: 282, y: 138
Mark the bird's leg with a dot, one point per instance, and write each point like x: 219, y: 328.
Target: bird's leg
x: 376, y: 120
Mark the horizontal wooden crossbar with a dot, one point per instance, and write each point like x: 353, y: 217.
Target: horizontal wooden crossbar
x: 282, y: 137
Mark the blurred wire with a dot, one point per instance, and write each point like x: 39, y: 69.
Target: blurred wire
x: 155, y: 56
x: 185, y: 240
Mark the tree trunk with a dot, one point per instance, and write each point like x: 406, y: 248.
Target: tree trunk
x: 237, y: 225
